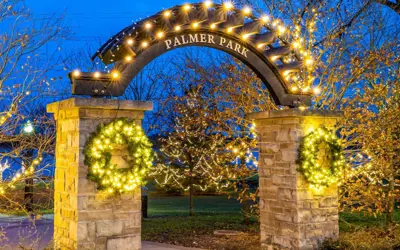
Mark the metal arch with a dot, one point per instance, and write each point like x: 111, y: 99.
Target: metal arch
x: 116, y: 49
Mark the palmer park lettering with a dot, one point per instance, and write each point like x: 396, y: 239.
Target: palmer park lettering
x: 208, y: 39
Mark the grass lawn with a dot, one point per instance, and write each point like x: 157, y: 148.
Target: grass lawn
x: 169, y: 222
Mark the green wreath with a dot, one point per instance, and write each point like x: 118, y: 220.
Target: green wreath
x: 315, y: 174
x: 98, y: 153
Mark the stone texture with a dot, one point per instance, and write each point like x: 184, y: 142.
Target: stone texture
x: 291, y: 215
x: 83, y: 217
x: 123, y: 243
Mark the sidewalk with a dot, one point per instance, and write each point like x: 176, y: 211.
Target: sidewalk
x: 147, y: 245
x: 36, y: 234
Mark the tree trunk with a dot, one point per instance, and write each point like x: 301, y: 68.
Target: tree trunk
x: 390, y: 204
x: 28, y: 194
x: 191, y: 203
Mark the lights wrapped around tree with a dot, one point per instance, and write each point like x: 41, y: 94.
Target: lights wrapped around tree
x: 27, y: 172
x: 319, y: 176
x: 98, y: 154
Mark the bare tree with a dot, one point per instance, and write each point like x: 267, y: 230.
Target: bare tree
x: 29, y: 58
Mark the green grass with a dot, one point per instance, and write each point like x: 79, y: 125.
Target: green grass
x: 355, y: 221
x: 169, y: 221
x: 204, y: 205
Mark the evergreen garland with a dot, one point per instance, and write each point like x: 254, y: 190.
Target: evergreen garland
x: 318, y: 176
x: 98, y: 154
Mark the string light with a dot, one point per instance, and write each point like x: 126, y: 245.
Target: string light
x: 245, y: 36
x: 265, y: 19
x: 115, y: 74
x: 317, y: 90
x: 130, y: 41
x: 160, y: 34
x: 128, y: 58
x: 281, y: 29
x: 208, y: 4
x: 167, y: 13
x: 296, y: 43
x: 247, y: 10
x: 228, y: 5
x: 274, y: 58
x: 148, y: 26
x: 309, y: 61
x: 145, y: 44
x: 76, y: 73
x: 19, y: 176
x: 302, y: 108
x: 120, y: 131
x: 195, y: 25
x: 317, y: 176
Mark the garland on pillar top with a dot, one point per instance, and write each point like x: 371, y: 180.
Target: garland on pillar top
x: 98, y: 154
x: 319, y: 176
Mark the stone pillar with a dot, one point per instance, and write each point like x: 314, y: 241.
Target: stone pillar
x: 292, y: 216
x: 83, y: 217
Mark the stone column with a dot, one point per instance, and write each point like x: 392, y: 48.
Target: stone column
x: 83, y: 217
x: 292, y: 216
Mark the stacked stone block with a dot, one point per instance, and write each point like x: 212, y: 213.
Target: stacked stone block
x: 85, y: 218
x: 292, y: 216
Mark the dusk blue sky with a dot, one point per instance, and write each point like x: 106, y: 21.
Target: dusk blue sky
x: 97, y: 20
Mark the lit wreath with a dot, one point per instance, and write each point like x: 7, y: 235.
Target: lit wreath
x: 98, y: 153
x: 315, y: 174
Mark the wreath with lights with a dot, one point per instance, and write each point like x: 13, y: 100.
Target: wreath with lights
x: 320, y: 177
x: 98, y: 154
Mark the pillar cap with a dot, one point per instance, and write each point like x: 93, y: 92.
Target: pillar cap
x: 295, y: 113
x: 99, y: 103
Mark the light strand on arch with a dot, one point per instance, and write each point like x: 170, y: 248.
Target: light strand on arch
x: 291, y: 50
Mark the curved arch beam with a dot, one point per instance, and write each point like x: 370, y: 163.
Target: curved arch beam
x: 240, y: 34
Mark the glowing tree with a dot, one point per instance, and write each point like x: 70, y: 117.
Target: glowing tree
x: 371, y: 183
x: 197, y: 155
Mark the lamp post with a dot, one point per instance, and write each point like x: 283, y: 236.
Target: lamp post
x: 145, y: 199
x: 28, y: 129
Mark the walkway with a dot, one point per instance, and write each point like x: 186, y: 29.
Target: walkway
x: 147, y: 245
x: 19, y: 231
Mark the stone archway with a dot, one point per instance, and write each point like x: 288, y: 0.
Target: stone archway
x: 291, y: 215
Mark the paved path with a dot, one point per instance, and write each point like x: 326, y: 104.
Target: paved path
x: 20, y: 231
x: 147, y: 245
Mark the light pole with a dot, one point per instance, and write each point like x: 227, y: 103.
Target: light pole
x: 28, y: 129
